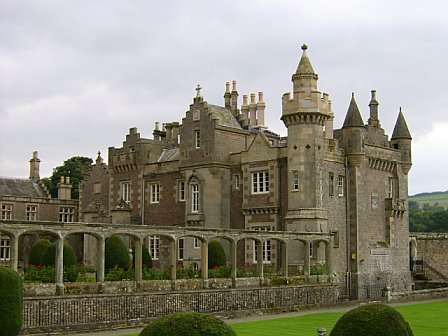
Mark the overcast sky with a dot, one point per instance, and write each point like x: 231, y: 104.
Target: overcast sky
x: 76, y: 75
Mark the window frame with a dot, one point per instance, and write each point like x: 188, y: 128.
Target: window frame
x: 125, y: 191
x: 154, y: 193
x: 295, y: 180
x: 5, y: 249
x: 266, y: 247
x: 260, y: 182
x: 154, y: 247
x: 197, y: 139
x: 66, y: 214
x: 341, y: 183
x: 181, y: 249
x: 7, y: 211
x: 181, y: 191
x: 31, y: 215
x: 195, y: 198
x: 331, y: 184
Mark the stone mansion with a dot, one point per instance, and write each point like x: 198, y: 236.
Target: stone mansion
x: 221, y: 168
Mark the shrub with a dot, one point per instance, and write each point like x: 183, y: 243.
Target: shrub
x: 219, y: 272
x: 37, y: 251
x: 146, y: 257
x: 117, y: 255
x: 372, y: 320
x: 70, y: 261
x: 11, y: 302
x: 191, y: 324
x: 216, y: 254
x: 40, y: 274
x: 156, y: 274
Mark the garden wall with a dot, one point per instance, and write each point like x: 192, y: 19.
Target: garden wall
x: 420, y: 295
x: 64, y: 314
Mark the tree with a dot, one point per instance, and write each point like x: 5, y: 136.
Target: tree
x: 372, y: 320
x: 72, y: 168
x: 216, y: 254
x: 37, y: 251
x: 188, y: 323
x: 117, y: 255
x: 11, y: 302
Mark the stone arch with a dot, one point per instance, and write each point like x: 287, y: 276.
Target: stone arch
x: 321, y: 257
x: 298, y: 256
x: 413, y: 253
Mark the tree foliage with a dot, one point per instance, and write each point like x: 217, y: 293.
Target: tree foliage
x: 71, y: 168
x: 11, y: 302
x: 428, y: 218
x: 372, y: 320
x: 191, y: 324
x: 37, y: 251
x: 216, y: 254
x: 117, y: 254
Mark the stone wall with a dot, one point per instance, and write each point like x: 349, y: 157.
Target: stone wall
x: 420, y: 295
x: 105, y: 311
x: 430, y: 247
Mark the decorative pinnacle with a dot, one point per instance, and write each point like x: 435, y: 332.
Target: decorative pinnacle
x: 198, y: 90
x: 304, y: 47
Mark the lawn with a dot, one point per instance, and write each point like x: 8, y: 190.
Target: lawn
x: 426, y: 319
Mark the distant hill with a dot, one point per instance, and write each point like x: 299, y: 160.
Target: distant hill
x: 431, y: 198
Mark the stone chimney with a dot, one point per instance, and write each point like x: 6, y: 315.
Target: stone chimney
x: 65, y: 188
x: 245, y: 112
x: 234, y: 99
x: 227, y: 96
x: 157, y: 133
x: 34, y: 167
x: 168, y: 130
x: 175, y: 132
x: 252, y: 111
x: 261, y: 107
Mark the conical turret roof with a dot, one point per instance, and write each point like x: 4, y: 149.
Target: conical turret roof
x: 305, y: 69
x: 401, y: 130
x: 353, y: 117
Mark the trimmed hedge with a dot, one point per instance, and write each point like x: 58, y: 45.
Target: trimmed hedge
x: 188, y: 324
x: 11, y: 302
x: 70, y: 261
x: 146, y: 257
x: 117, y: 254
x: 216, y: 254
x: 37, y: 251
x: 372, y: 320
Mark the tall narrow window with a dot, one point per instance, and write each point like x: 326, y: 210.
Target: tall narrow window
x: 390, y: 188
x: 155, y: 192
x: 66, y: 215
x: 181, y: 249
x: 260, y: 182
x: 295, y: 180
x: 31, y: 212
x: 181, y: 191
x: 195, y: 198
x: 153, y: 247
x: 197, y: 139
x: 125, y: 190
x: 7, y: 211
x: 311, y: 249
x: 5, y: 249
x: 340, y: 185
x: 196, y: 243
x: 236, y: 179
x: 266, y: 248
x: 331, y: 184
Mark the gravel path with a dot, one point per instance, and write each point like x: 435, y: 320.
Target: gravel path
x: 259, y: 317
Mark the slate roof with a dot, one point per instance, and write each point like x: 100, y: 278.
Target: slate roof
x: 353, y: 117
x: 224, y: 116
x: 20, y: 188
x: 401, y: 130
x: 169, y: 155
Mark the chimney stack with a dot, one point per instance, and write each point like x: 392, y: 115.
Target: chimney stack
x: 234, y: 99
x: 252, y: 111
x: 227, y: 98
x: 65, y: 188
x: 261, y: 106
x: 34, y: 167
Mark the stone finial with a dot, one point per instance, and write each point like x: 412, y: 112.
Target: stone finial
x: 304, y: 47
x: 198, y: 91
x: 373, y: 92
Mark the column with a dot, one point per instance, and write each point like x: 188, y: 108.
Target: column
x: 306, y: 266
x: 14, y: 257
x: 328, y: 259
x: 233, y: 260
x: 173, y: 257
x: 100, y: 262
x: 260, y: 261
x: 59, y: 266
x: 284, y: 258
x: 138, y: 260
x: 204, y: 263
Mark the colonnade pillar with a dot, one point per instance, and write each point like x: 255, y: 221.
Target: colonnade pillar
x: 173, y: 257
x: 329, y: 258
x: 14, y: 257
x: 100, y: 262
x: 59, y: 266
x: 260, y: 261
x: 284, y: 258
x: 306, y: 266
x: 204, y: 263
x: 233, y: 261
x: 138, y: 260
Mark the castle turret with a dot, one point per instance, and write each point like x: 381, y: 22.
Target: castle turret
x: 353, y: 132
x: 305, y: 115
x: 401, y: 139
x: 34, y: 167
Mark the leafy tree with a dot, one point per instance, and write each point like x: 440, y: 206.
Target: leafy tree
x: 11, y: 302
x: 428, y: 219
x: 117, y: 254
x: 188, y: 323
x: 216, y: 254
x: 71, y: 168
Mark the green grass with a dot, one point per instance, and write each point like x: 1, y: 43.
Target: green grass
x: 426, y: 319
